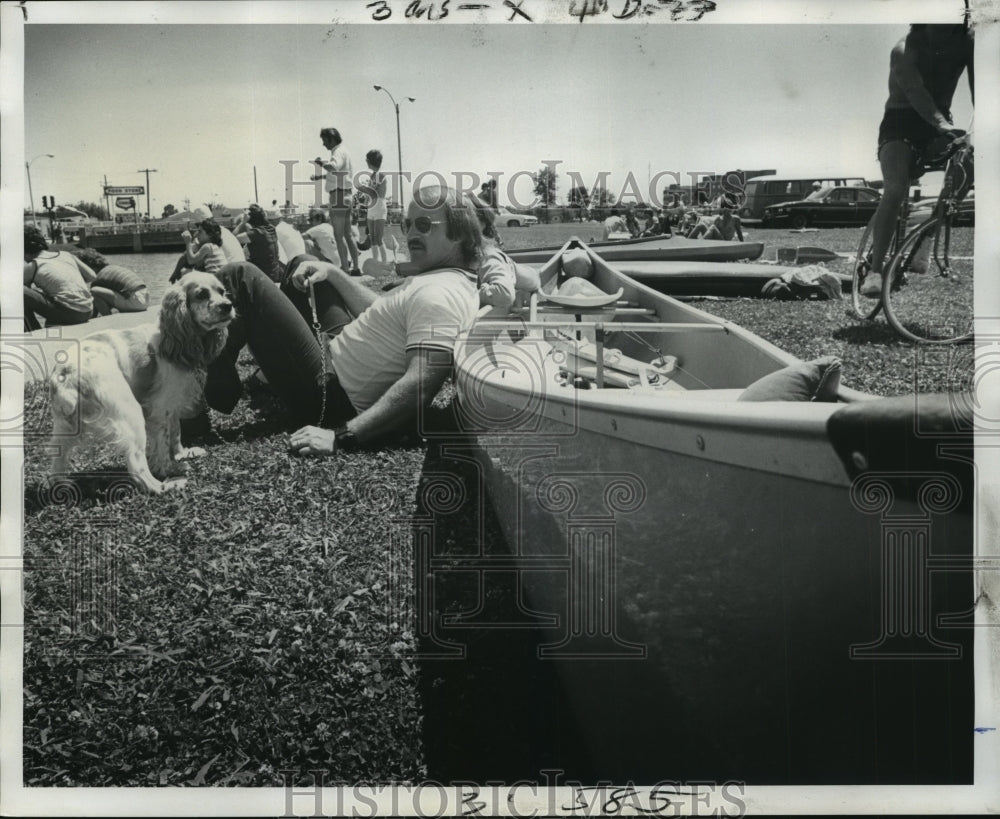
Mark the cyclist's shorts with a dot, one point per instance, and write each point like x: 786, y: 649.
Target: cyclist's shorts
x: 906, y: 125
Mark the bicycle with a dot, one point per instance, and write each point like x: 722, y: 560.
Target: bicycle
x: 922, y: 306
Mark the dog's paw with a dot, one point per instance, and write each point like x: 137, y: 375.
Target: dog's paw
x: 170, y: 470
x: 189, y: 452
x: 173, y: 484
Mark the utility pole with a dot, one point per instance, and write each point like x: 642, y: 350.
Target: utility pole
x: 107, y: 201
x: 399, y: 142
x: 147, y: 171
x: 31, y: 196
x: 256, y: 198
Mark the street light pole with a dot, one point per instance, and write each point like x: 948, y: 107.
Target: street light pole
x: 147, y: 171
x: 31, y: 196
x: 399, y: 143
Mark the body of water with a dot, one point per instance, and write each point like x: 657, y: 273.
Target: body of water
x: 154, y: 268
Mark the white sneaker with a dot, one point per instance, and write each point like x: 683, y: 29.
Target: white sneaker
x: 872, y: 288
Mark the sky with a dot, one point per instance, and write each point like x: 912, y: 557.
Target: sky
x: 206, y: 105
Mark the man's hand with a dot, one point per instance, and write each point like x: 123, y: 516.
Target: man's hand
x: 949, y: 129
x: 314, y: 441
x: 309, y: 273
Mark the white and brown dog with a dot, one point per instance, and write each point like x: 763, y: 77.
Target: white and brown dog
x: 133, y: 386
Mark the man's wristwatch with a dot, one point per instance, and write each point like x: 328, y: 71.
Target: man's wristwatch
x: 345, y: 439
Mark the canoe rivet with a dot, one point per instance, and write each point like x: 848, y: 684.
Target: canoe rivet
x: 614, y: 424
x: 860, y: 461
x: 700, y: 442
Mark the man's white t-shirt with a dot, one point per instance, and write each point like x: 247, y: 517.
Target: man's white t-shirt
x: 426, y: 312
x: 343, y: 173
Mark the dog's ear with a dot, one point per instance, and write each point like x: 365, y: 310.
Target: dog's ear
x: 214, y: 343
x: 174, y: 306
x: 179, y: 339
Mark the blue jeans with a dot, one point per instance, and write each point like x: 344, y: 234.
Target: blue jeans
x: 275, y: 323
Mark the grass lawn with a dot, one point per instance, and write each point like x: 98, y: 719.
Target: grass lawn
x: 261, y: 618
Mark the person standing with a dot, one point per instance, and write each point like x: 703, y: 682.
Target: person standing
x: 376, y: 208
x: 339, y: 175
x: 924, y: 69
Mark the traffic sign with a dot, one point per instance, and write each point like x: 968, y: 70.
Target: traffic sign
x: 124, y: 190
x: 125, y: 202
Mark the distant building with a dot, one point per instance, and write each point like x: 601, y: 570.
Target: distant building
x: 710, y: 186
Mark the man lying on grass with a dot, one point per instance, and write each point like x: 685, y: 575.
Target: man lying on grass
x: 389, y: 354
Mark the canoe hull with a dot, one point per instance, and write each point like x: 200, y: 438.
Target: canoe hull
x: 708, y: 278
x: 722, y: 567
x: 674, y: 248
x: 742, y: 621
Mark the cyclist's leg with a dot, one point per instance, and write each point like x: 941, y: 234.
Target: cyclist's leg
x: 895, y: 158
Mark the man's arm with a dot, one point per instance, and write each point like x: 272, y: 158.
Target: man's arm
x: 426, y: 371
x: 85, y: 270
x: 903, y: 68
x: 739, y: 228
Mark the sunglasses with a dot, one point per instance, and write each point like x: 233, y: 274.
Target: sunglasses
x: 421, y: 223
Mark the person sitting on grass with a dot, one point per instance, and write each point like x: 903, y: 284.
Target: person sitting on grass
x: 204, y: 250
x: 631, y: 223
x: 319, y: 238
x: 725, y: 227
x: 658, y: 224
x: 389, y: 354
x: 691, y: 221
x: 262, y: 242
x: 116, y: 287
x: 614, y: 224
x: 56, y: 284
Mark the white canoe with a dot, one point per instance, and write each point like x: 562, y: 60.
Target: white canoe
x: 769, y: 562
x: 709, y: 278
x: 655, y: 248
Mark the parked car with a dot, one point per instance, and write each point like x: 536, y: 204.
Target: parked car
x: 506, y: 218
x: 966, y: 209
x: 760, y: 192
x: 837, y: 205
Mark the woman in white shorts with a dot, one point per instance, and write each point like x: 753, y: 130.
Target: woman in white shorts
x: 376, y: 208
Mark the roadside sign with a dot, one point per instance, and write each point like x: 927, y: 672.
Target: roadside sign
x: 124, y: 190
x: 125, y: 202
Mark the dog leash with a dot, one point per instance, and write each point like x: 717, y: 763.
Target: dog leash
x: 324, y: 352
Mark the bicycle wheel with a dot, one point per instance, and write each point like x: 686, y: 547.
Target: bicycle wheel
x: 923, y: 302
x: 865, y: 308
